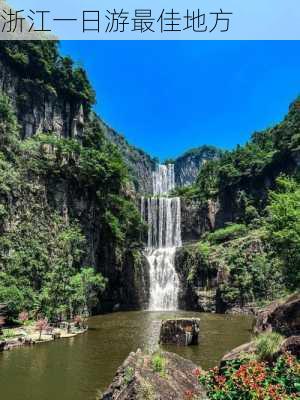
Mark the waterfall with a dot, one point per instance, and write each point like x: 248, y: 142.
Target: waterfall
x: 163, y: 179
x: 163, y: 216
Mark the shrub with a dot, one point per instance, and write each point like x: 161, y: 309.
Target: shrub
x: 228, y: 233
x: 254, y: 380
x: 14, y: 300
x: 158, y: 363
x: 128, y: 375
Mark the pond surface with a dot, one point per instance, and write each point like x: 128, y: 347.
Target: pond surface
x: 78, y: 368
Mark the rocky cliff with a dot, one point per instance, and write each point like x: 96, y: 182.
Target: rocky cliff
x: 139, y: 163
x: 39, y: 109
x: 187, y: 166
x: 33, y: 76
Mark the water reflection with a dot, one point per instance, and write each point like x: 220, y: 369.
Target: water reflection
x: 76, y: 368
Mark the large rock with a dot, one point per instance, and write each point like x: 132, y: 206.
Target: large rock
x: 292, y: 345
x: 187, y: 166
x: 138, y: 379
x: 239, y: 353
x: 182, y: 331
x: 280, y: 317
x: 247, y: 350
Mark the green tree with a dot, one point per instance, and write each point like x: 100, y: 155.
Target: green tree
x: 86, y: 287
x: 283, y: 226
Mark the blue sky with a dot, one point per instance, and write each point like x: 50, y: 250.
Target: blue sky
x: 169, y: 96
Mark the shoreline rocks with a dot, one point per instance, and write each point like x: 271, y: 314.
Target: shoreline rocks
x: 282, y: 317
x: 30, y: 338
x: 140, y: 378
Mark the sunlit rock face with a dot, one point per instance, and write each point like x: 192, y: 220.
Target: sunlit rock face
x: 187, y: 166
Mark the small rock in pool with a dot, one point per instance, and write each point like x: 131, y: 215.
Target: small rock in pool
x: 182, y: 331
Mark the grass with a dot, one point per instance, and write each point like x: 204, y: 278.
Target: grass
x: 267, y: 345
x: 8, y: 334
x: 230, y: 232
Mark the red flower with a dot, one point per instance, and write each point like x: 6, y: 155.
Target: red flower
x: 197, y: 372
x: 189, y: 394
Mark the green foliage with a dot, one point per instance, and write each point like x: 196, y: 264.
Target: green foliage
x: 42, y: 251
x: 248, y: 271
x: 8, y: 128
x: 8, y: 334
x: 128, y: 375
x: 230, y: 232
x: 253, y: 276
x: 44, y: 71
x: 158, y: 363
x: 86, y: 287
x: 267, y: 345
x: 283, y: 227
x: 231, y: 168
x: 11, y: 295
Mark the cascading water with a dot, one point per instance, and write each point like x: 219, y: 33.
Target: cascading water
x: 163, y: 216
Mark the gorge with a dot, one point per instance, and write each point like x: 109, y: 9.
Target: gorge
x: 90, y: 224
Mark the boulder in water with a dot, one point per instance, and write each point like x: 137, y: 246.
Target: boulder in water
x: 142, y: 377
x: 182, y: 331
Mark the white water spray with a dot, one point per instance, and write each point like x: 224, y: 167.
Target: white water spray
x: 163, y: 216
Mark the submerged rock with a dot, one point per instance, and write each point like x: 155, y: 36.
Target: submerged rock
x: 162, y: 376
x: 182, y: 331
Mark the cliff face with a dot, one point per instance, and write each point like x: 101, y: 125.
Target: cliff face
x: 187, y: 166
x: 38, y: 111
x: 45, y: 111
x: 139, y: 163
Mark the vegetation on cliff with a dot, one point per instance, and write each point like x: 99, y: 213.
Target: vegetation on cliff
x: 42, y: 246
x: 254, y: 256
x: 44, y: 70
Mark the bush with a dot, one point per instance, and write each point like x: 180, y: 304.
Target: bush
x: 283, y: 227
x: 228, y: 233
x: 254, y: 380
x: 158, y: 363
x: 14, y: 300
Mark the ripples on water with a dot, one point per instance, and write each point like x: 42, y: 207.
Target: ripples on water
x: 76, y: 368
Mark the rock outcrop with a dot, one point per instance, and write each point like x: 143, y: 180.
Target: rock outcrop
x: 198, y: 285
x: 139, y: 163
x: 181, y: 331
x: 280, y: 317
x: 240, y: 352
x: 248, y: 350
x: 292, y: 345
x: 187, y: 166
x: 139, y: 379
x: 39, y: 111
